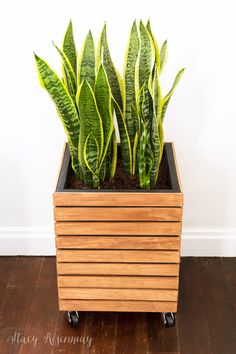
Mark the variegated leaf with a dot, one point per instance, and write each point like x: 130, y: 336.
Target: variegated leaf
x: 155, y: 136
x: 69, y: 47
x: 113, y: 162
x: 103, y: 99
x: 129, y: 80
x: 64, y: 104
x: 167, y: 98
x: 104, y: 57
x: 90, y: 122
x: 156, y: 47
x: 163, y: 56
x: 86, y: 64
x: 145, y: 57
x: 70, y: 78
x: 91, y: 157
x: 126, y: 151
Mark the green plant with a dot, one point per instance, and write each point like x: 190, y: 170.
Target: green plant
x: 83, y: 101
x: 91, y: 90
x: 138, y: 101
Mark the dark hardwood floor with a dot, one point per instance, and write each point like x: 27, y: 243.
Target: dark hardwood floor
x: 31, y: 323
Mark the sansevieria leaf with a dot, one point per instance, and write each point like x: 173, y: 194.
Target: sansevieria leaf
x: 156, y: 47
x: 145, y: 56
x: 70, y: 78
x: 129, y: 80
x: 69, y: 48
x: 86, y: 64
x: 156, y: 120
x: 103, y: 99
x: 167, y: 98
x: 126, y: 151
x: 163, y: 56
x: 64, y: 104
x: 90, y: 122
x: 104, y: 57
x: 91, y: 157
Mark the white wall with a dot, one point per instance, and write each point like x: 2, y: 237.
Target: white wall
x: 201, y: 119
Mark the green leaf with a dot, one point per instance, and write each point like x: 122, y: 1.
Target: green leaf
x: 91, y: 157
x: 131, y: 57
x: 64, y: 104
x: 145, y: 58
x: 114, y: 155
x: 90, y: 122
x: 69, y: 78
x: 155, y: 136
x: 163, y: 55
x: 86, y: 65
x: 156, y: 47
x: 126, y: 151
x: 104, y: 57
x: 146, y: 157
x: 166, y: 99
x: 103, y: 98
x: 69, y: 47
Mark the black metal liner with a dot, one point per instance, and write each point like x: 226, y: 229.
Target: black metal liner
x: 172, y: 176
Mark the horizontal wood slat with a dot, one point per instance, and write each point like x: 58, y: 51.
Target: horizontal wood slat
x: 118, y: 294
x: 118, y: 228
x: 118, y: 242
x: 117, y: 214
x: 117, y: 199
x: 126, y: 306
x: 117, y: 256
x: 118, y: 269
x: 66, y: 281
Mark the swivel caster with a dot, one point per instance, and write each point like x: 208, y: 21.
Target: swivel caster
x: 73, y: 318
x: 169, y: 319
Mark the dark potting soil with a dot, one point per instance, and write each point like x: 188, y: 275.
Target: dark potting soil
x: 122, y: 180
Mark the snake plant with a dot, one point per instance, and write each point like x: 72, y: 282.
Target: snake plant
x: 83, y: 101
x: 91, y: 89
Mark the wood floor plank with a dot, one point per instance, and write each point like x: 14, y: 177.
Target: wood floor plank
x: 218, y: 308
x: 26, y: 271
x: 193, y: 328
x: 161, y: 339
x: 7, y: 266
x: 101, y: 328
x: 126, y: 327
x: 19, y: 298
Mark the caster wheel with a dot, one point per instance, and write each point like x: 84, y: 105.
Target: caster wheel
x: 73, y: 318
x: 169, y: 319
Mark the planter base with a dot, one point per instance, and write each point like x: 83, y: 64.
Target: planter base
x: 118, y: 251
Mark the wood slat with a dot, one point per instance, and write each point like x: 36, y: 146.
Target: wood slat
x: 118, y: 242
x: 66, y: 281
x: 118, y: 269
x: 126, y: 306
x: 117, y: 199
x: 118, y: 256
x: 118, y: 228
x: 117, y: 214
x: 118, y: 294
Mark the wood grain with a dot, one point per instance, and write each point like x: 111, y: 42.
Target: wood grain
x: 129, y: 282
x: 118, y: 294
x: 118, y: 256
x: 118, y: 242
x: 117, y: 199
x: 118, y: 228
x: 117, y: 214
x: 129, y: 306
x: 118, y: 269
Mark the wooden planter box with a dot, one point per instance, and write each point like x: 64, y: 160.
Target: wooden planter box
x: 118, y: 250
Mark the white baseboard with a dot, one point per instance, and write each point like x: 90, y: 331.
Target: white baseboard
x: 198, y: 242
